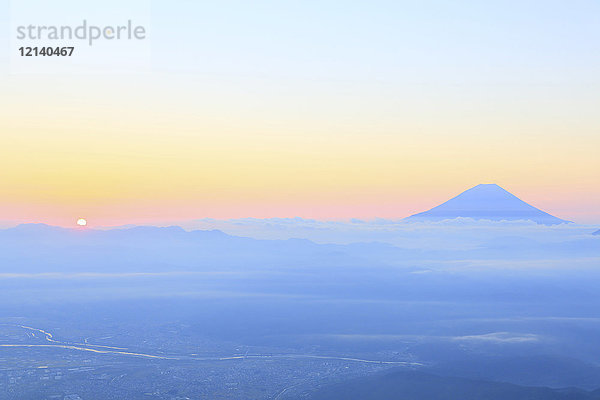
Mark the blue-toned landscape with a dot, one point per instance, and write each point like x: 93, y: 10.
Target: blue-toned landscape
x: 454, y: 306
x: 299, y: 200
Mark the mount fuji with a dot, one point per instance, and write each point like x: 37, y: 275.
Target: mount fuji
x: 490, y: 202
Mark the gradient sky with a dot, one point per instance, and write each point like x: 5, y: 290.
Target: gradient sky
x: 321, y: 109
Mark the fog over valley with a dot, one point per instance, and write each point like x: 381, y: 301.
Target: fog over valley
x: 295, y: 308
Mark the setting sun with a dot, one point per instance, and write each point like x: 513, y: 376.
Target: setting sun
x: 81, y: 222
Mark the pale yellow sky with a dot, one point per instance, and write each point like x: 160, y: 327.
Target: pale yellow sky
x: 100, y: 148
x: 248, y: 116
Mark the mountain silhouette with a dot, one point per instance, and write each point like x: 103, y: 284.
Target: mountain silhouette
x: 597, y: 233
x: 487, y: 201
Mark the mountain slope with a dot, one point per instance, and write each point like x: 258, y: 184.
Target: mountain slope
x: 412, y: 385
x: 487, y: 201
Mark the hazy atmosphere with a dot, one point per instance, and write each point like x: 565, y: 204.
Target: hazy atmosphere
x: 283, y: 200
x: 439, y: 306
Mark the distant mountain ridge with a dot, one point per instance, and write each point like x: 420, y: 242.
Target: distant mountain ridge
x: 597, y: 233
x: 151, y: 249
x: 490, y: 202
